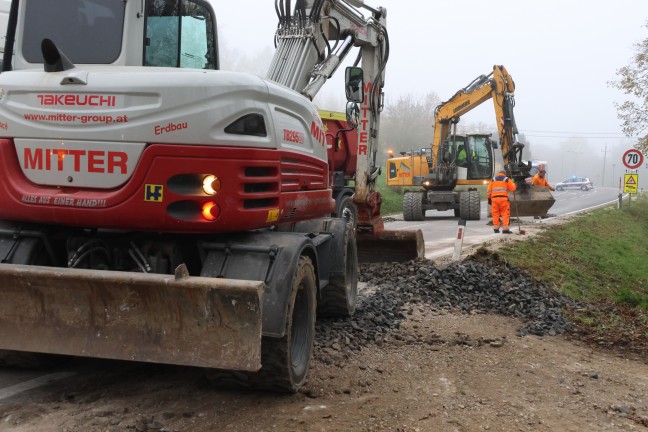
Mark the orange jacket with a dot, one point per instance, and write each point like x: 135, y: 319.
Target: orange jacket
x: 500, y: 186
x: 540, y: 181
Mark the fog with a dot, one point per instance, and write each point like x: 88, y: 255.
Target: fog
x: 561, y: 54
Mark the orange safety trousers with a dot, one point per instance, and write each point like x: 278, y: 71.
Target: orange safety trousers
x: 501, y: 207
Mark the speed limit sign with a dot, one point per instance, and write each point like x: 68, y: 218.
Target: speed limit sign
x: 633, y: 159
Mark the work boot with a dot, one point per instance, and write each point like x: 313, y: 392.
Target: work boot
x: 507, y: 232
x: 496, y: 230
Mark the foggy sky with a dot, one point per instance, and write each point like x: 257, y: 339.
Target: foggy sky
x: 561, y: 54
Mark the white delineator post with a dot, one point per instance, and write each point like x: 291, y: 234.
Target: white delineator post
x: 461, y: 228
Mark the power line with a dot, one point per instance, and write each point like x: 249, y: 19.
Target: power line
x: 574, y: 133
x: 582, y: 137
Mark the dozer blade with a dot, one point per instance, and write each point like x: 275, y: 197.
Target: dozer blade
x: 534, y: 201
x: 390, y: 246
x: 181, y: 320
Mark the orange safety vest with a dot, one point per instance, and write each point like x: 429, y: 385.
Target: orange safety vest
x: 540, y: 181
x: 500, y: 186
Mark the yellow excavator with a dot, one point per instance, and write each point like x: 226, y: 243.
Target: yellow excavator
x: 468, y: 160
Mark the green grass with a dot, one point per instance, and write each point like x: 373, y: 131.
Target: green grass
x: 601, y: 256
x: 392, y: 197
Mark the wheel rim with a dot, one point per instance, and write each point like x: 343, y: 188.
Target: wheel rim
x: 352, y: 274
x: 300, y: 332
x: 349, y: 215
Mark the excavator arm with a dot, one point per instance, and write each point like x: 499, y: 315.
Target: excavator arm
x: 498, y: 86
x: 312, y: 41
x: 439, y: 171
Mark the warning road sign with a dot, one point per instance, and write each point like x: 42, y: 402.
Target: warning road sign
x: 630, y: 183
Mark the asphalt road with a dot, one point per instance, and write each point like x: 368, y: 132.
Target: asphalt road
x: 440, y: 228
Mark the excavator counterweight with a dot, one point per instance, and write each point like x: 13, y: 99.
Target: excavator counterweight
x: 156, y: 208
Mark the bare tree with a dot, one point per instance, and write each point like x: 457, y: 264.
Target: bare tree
x: 408, y: 123
x: 633, y: 81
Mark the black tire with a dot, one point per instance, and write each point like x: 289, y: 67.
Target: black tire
x: 585, y: 188
x: 413, y: 206
x: 35, y: 254
x: 470, y: 205
x: 28, y: 360
x: 340, y: 296
x: 559, y: 188
x: 285, y: 361
x: 347, y: 210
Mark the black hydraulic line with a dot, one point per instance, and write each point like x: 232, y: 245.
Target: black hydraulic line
x: 303, y: 12
x: 143, y: 263
x: 328, y: 44
x: 277, y: 10
x: 87, y: 253
x: 316, y: 13
x: 282, y: 8
x: 288, y: 12
x: 337, y: 25
x: 377, y: 80
x: 358, y: 58
x: 312, y: 12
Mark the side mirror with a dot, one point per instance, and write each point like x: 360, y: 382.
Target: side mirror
x: 354, y: 84
x: 352, y: 115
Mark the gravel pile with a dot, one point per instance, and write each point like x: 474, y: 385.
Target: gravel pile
x: 480, y: 284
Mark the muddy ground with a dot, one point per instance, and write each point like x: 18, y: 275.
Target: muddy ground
x: 443, y: 371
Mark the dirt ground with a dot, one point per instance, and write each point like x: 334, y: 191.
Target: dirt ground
x: 457, y: 373
x: 444, y: 372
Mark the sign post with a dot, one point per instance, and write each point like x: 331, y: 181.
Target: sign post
x: 456, y: 256
x: 632, y: 159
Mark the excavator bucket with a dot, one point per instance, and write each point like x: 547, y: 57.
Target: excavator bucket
x: 183, y: 320
x: 390, y: 246
x: 531, y: 201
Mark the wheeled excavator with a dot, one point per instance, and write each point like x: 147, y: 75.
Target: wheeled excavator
x: 468, y: 160
x: 154, y: 208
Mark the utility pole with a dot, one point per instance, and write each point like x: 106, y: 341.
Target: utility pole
x: 576, y: 153
x: 613, y: 179
x: 603, y: 175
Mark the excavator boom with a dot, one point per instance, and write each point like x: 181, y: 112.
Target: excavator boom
x: 470, y: 160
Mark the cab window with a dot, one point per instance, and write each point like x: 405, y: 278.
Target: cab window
x: 77, y: 27
x: 480, y: 157
x: 180, y: 33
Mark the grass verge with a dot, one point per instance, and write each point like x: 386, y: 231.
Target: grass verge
x: 600, y: 258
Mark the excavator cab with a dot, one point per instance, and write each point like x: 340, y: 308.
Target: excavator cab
x: 479, y: 157
x: 464, y: 159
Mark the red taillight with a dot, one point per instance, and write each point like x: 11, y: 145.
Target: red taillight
x: 210, y: 211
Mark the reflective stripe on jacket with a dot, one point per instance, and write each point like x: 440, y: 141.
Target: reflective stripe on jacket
x: 499, y: 187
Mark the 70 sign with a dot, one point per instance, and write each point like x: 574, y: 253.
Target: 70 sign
x: 633, y: 159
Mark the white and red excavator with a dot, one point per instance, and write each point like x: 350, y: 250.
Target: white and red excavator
x: 155, y: 208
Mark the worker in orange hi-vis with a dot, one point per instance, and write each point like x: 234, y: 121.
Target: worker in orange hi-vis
x: 540, y: 179
x: 497, y: 195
